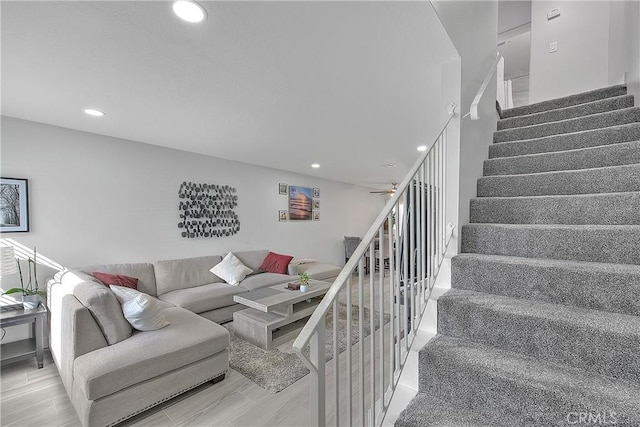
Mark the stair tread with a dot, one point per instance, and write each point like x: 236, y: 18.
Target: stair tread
x: 599, y: 137
x: 588, y: 242
x: 594, y: 227
x: 426, y: 410
x: 605, y: 267
x: 575, y: 385
x: 599, y: 208
x: 621, y: 194
x: 606, y: 179
x: 566, y: 171
x: 578, y: 317
x: 575, y: 99
x: 625, y: 153
x: 572, y: 111
x: 596, y: 285
x: 568, y: 126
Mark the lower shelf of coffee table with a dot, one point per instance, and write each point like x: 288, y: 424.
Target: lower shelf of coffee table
x: 269, y: 330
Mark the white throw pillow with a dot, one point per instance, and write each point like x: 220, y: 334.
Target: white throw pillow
x: 141, y: 310
x: 124, y: 294
x: 231, y: 270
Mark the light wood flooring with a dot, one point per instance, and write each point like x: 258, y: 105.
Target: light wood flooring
x: 36, y: 397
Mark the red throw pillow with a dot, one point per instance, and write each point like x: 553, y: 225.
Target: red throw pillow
x: 117, y: 279
x: 276, y: 263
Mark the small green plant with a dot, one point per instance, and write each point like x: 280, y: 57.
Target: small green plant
x: 303, y: 278
x: 32, y: 287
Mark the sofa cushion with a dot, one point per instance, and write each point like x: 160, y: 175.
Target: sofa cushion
x: 231, y: 269
x: 252, y: 259
x: 185, y: 273
x: 203, y: 298
x: 142, y: 311
x: 116, y: 279
x: 141, y: 271
x: 276, y: 263
x: 146, y: 355
x: 105, y: 309
x: 263, y: 280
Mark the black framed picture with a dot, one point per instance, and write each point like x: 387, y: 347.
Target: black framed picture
x: 14, y: 205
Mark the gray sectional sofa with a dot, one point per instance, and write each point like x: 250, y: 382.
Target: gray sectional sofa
x: 110, y: 383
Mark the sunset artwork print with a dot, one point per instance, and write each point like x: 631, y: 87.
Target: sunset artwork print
x: 300, y: 203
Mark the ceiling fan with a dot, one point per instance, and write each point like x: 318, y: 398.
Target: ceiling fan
x: 392, y: 191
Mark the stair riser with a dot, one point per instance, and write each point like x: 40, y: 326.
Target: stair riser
x: 600, y: 106
x: 587, y: 181
x: 612, y: 155
x: 567, y: 101
x: 606, y: 209
x: 614, y: 118
x: 614, y: 244
x: 580, y: 346
x: 607, y: 288
x: 590, y: 138
x: 476, y: 389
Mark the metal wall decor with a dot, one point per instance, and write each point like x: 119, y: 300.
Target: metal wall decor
x: 206, y: 210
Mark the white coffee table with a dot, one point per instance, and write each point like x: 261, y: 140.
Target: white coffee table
x: 276, y: 314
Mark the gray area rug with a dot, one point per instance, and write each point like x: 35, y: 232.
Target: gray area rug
x: 276, y: 369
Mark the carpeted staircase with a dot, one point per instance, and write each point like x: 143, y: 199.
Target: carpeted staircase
x: 542, y: 326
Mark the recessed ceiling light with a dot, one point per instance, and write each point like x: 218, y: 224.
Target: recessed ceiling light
x: 422, y: 148
x: 388, y: 165
x: 189, y: 11
x: 94, y: 113
x: 315, y: 166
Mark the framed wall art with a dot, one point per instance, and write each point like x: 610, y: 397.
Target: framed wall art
x: 14, y: 205
x: 207, y: 210
x: 300, y: 203
x: 282, y: 216
x: 282, y: 189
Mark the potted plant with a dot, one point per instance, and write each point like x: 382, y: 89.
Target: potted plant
x: 31, y: 293
x: 303, y: 279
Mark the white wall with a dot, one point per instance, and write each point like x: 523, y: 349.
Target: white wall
x: 472, y: 26
x: 97, y: 199
x: 581, y: 62
x: 624, y: 45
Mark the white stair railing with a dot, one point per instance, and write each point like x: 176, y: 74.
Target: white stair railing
x: 364, y: 377
x: 473, y: 109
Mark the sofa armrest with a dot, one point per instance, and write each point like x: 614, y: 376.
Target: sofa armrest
x: 320, y: 271
x: 80, y: 334
x: 293, y: 270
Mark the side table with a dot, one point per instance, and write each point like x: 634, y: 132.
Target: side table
x: 28, y: 347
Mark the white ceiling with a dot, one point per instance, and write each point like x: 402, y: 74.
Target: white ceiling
x: 348, y: 85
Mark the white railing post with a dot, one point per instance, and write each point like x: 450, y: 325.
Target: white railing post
x: 397, y: 319
x: 336, y: 360
x: 317, y: 358
x: 361, y: 337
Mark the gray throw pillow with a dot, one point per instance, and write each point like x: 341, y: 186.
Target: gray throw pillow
x: 105, y: 309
